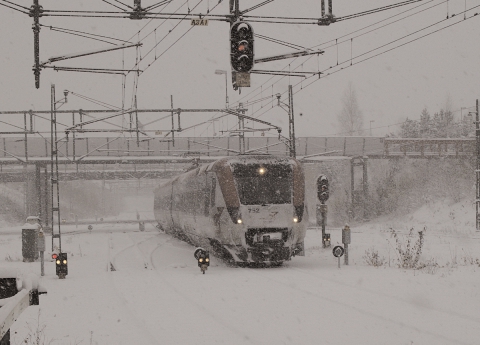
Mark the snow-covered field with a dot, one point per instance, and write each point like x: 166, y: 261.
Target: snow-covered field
x: 157, y: 294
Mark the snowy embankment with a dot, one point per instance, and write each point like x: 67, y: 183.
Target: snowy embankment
x: 157, y: 295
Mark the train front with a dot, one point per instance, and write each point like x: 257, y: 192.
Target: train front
x: 266, y: 208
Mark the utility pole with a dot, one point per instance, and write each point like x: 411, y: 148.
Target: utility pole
x: 36, y: 12
x: 241, y: 130
x: 291, y: 123
x: 477, y: 170
x: 291, y: 120
x: 55, y: 190
x: 55, y: 187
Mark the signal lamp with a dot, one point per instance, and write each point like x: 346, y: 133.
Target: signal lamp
x: 61, y: 265
x: 295, y: 219
x: 239, y: 221
x: 323, y: 192
x: 54, y: 256
x: 203, y: 258
x: 241, y: 47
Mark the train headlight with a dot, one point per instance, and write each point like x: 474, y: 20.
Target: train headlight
x: 262, y: 171
x: 295, y: 219
x: 239, y: 221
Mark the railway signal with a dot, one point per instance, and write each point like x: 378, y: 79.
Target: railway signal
x: 203, y: 258
x: 61, y: 264
x: 322, y: 188
x: 241, y: 47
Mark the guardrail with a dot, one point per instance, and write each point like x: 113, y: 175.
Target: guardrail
x: 16, y: 295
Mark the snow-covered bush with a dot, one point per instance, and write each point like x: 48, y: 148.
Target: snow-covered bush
x: 372, y: 258
x: 408, y: 252
x: 429, y: 266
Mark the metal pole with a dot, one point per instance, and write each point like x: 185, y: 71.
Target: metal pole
x: 36, y: 41
x: 54, y: 171
x: 241, y: 133
x: 346, y: 253
x: 52, y: 139
x: 136, y: 122
x: 365, y: 188
x: 26, y: 137
x: 173, y: 122
x: 226, y: 91
x: 73, y: 135
x: 38, y: 189
x: 42, y: 264
x: 46, y: 196
x: 352, y: 187
x: 477, y: 171
x: 324, y: 222
x: 291, y: 122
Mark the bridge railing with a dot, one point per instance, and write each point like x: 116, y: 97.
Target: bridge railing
x: 39, y: 147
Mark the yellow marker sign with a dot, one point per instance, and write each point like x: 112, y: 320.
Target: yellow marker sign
x: 199, y: 22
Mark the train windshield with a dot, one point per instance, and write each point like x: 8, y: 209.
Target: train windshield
x: 261, y: 184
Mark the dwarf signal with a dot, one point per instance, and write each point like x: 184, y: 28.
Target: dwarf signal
x: 61, y: 264
x: 203, y: 258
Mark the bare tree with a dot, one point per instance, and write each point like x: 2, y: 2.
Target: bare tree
x: 350, y: 119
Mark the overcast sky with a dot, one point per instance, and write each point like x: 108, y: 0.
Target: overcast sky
x: 390, y: 87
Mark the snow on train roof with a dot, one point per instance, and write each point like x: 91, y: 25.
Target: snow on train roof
x: 241, y: 159
x: 256, y: 159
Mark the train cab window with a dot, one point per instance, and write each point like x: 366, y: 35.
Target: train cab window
x: 259, y: 184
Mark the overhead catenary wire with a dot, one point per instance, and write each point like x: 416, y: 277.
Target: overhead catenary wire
x: 169, y: 47
x: 84, y: 34
x: 114, y: 5
x: 175, y: 42
x: 284, y: 43
x: 282, y: 20
x: 354, y: 37
x: 403, y: 44
x: 355, y: 63
x: 355, y: 31
x: 370, y: 31
x: 169, y: 32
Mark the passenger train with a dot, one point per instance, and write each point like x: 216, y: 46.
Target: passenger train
x: 247, y: 209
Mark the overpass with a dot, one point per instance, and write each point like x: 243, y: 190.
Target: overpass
x: 27, y: 159
x: 121, y: 150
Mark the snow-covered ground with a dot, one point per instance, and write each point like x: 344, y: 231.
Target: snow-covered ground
x: 157, y: 294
